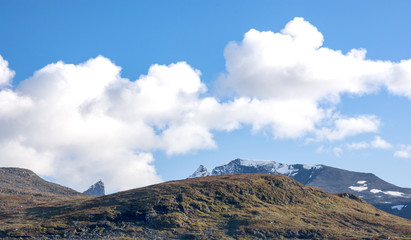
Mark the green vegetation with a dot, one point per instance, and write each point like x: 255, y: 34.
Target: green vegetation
x: 239, y: 206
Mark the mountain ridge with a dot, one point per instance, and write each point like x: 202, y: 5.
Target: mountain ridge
x: 235, y: 206
x: 368, y: 186
x: 24, y: 181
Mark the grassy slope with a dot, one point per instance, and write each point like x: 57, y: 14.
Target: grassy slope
x: 240, y: 206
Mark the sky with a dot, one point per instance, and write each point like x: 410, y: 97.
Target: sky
x: 141, y: 92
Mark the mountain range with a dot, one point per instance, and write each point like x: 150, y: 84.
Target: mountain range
x: 222, y: 206
x: 235, y: 206
x: 383, y: 195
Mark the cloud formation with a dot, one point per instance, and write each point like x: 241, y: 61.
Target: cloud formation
x: 404, y: 152
x: 6, y: 74
x: 293, y: 65
x: 78, y: 123
x: 376, y: 143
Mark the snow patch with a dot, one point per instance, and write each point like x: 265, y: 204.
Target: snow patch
x: 398, y: 207
x: 375, y: 191
x: 394, y: 193
x: 358, y: 188
x: 255, y: 163
x: 308, y: 167
x: 284, y: 170
x: 361, y: 188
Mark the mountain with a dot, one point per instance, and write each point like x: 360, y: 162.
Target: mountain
x: 385, y: 196
x: 200, y: 172
x: 236, y: 206
x: 96, y: 189
x: 26, y: 182
x: 22, y: 188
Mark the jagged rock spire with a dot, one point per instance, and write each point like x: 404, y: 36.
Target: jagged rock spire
x: 96, y: 189
x: 200, y: 172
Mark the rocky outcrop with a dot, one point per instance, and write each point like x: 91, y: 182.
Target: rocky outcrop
x: 96, y: 189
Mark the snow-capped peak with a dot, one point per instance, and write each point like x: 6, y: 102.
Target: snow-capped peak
x: 255, y: 166
x: 200, y: 172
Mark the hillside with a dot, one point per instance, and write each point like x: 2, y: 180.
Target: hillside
x: 24, y: 181
x: 239, y: 206
x: 22, y: 188
x: 383, y: 195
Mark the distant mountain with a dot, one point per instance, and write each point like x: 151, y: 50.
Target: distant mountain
x: 200, y: 172
x: 385, y: 196
x: 26, y: 182
x: 96, y: 189
x: 22, y: 188
x: 237, y: 206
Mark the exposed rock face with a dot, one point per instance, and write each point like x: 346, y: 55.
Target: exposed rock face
x: 383, y: 195
x: 96, y: 189
x: 200, y: 172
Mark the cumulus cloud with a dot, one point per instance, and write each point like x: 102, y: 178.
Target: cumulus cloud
x: 380, y: 143
x: 404, y: 152
x: 292, y: 64
x: 346, y: 127
x: 376, y: 143
x: 400, y: 81
x: 6, y: 74
x: 47, y: 125
x: 78, y: 123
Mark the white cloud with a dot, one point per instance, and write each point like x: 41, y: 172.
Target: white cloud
x: 337, y: 151
x: 400, y: 81
x: 49, y: 125
x: 78, y: 123
x: 377, y: 143
x: 404, y: 152
x: 6, y: 74
x: 346, y: 127
x: 358, y: 145
x: 292, y: 64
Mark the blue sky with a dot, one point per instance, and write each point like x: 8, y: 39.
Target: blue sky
x: 116, y: 138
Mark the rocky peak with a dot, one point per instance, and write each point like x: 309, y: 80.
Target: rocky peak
x: 96, y: 189
x: 200, y: 172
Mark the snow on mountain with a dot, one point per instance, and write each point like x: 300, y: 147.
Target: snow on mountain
x: 372, y: 189
x: 392, y: 193
x: 261, y: 166
x: 398, y: 207
x: 395, y: 193
x: 362, y: 187
x: 200, y: 172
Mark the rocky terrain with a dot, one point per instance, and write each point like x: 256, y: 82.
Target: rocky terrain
x: 383, y: 195
x: 236, y: 206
